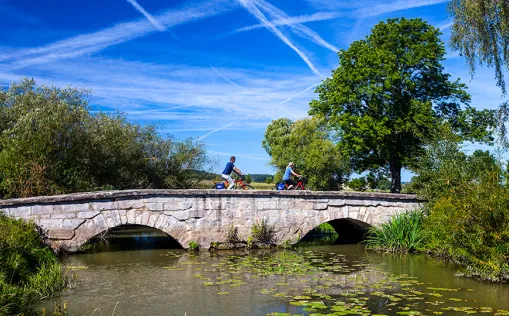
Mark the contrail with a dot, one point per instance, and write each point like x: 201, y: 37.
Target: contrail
x: 149, y: 17
x: 261, y: 17
x: 217, y: 130
x: 292, y: 97
x: 90, y: 43
x: 220, y: 75
x: 300, y: 29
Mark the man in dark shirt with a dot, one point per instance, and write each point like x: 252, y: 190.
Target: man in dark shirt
x: 228, y: 170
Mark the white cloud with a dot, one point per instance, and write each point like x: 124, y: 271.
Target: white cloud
x: 149, y: 17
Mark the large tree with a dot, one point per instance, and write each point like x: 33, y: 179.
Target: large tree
x: 309, y: 145
x: 388, y: 94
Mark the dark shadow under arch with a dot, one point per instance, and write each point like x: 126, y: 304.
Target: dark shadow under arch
x: 130, y: 237
x: 350, y: 231
x: 347, y: 231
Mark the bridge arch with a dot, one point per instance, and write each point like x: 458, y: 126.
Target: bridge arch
x: 349, y: 231
x: 104, y: 221
x: 131, y: 237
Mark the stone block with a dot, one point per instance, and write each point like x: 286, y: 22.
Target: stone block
x: 145, y: 217
x: 62, y: 234
x: 88, y: 214
x: 337, y: 202
x: 19, y: 212
x: 42, y: 209
x: 50, y: 223
x: 125, y: 204
x: 155, y: 206
x: 154, y: 217
x: 64, y: 215
x: 72, y: 223
x: 321, y: 206
x: 123, y: 216
x: 171, y: 206
x: 157, y: 199
x: 185, y: 205
x: 74, y: 207
x: 130, y: 216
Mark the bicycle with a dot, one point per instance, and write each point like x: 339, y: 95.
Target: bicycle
x: 238, y: 185
x: 298, y: 186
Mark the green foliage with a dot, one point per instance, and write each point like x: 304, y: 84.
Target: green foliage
x: 269, y: 180
x: 248, y: 179
x: 378, y: 181
x: 308, y: 144
x: 388, y: 95
x: 403, y: 233
x: 263, y: 233
x: 358, y: 184
x: 232, y: 236
x: 194, y: 246
x: 51, y: 144
x: 479, y: 32
x: 28, y: 269
x: 468, y: 210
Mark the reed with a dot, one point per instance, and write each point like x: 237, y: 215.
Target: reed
x: 403, y: 233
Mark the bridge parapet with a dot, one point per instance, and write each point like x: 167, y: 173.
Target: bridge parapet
x: 204, y: 216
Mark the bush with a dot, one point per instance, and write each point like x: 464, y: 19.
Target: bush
x: 52, y: 144
x: 263, y: 233
x: 28, y: 269
x: 194, y: 246
x: 358, y: 184
x: 467, y: 216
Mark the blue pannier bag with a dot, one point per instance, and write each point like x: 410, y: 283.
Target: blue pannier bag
x: 280, y: 186
x: 220, y: 186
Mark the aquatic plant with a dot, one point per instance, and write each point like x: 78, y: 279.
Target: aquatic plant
x: 402, y: 233
x: 263, y: 233
x: 28, y: 269
x: 194, y: 246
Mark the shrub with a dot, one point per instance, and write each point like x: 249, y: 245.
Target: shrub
x: 358, y: 184
x: 194, y: 246
x: 232, y: 236
x: 263, y: 233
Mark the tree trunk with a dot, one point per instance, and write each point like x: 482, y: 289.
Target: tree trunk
x: 395, y: 166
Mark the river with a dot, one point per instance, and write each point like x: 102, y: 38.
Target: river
x: 328, y: 280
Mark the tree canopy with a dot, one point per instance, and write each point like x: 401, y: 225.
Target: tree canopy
x: 390, y: 92
x: 51, y: 143
x: 309, y: 145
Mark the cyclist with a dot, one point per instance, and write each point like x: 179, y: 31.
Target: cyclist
x: 287, y: 177
x: 228, y: 170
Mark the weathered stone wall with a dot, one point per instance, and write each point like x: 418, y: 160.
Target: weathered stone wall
x: 200, y: 215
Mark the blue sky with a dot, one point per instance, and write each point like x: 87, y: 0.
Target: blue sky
x: 215, y: 70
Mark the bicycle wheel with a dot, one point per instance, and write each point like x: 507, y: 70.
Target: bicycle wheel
x: 248, y: 187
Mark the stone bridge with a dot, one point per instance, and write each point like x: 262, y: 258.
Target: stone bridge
x: 204, y: 216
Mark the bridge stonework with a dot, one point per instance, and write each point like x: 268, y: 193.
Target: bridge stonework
x: 204, y: 216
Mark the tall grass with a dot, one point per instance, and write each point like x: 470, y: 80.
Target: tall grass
x: 28, y: 269
x: 403, y: 233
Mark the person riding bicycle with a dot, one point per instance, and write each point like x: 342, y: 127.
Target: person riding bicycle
x: 287, y: 177
x: 228, y: 170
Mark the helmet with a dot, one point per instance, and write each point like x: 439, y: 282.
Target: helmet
x: 291, y: 164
